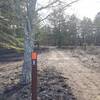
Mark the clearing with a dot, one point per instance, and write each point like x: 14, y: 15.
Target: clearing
x: 77, y: 70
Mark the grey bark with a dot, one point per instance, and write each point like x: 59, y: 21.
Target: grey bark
x: 28, y: 41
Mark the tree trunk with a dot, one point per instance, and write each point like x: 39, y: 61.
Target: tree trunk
x: 28, y: 41
x: 28, y: 48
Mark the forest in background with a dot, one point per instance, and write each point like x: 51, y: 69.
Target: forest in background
x: 69, y: 73
x: 59, y: 29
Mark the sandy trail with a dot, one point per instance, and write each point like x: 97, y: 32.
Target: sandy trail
x: 85, y: 82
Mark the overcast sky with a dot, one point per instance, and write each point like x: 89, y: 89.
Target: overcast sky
x: 88, y: 8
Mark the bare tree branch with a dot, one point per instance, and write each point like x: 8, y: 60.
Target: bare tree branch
x: 47, y: 6
x: 43, y: 18
x: 67, y: 5
x: 61, y: 9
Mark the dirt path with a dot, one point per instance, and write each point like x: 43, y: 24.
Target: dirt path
x: 85, y: 82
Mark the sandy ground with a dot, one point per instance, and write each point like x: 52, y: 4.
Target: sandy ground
x: 85, y: 82
x: 79, y: 71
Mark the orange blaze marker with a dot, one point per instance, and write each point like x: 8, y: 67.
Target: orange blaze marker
x: 34, y: 55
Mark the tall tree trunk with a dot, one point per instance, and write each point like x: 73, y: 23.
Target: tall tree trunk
x: 28, y: 42
x: 28, y: 48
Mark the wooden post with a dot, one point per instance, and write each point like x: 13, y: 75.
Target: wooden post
x: 34, y: 76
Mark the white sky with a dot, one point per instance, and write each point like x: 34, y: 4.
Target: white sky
x: 88, y: 8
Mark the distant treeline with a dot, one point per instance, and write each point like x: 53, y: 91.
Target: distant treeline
x: 69, y: 30
x: 60, y: 29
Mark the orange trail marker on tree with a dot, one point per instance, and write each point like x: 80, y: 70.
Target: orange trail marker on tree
x: 34, y: 55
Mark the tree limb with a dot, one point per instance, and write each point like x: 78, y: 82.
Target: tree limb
x: 41, y: 8
x: 56, y: 2
x: 70, y: 4
x: 44, y: 18
x: 61, y: 9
